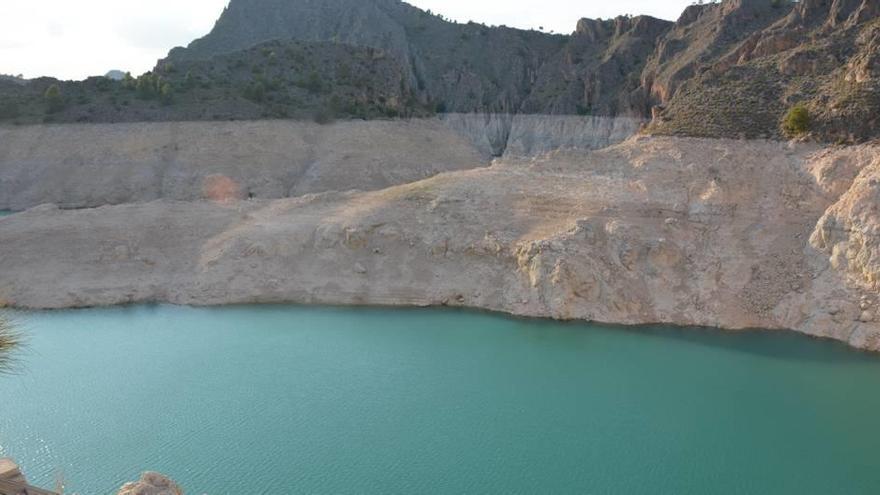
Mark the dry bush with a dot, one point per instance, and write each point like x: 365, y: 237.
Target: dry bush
x: 10, y: 340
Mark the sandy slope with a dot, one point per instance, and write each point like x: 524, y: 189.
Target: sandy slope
x: 88, y: 165
x: 732, y: 234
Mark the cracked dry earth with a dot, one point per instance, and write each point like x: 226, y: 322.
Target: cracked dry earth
x: 722, y: 233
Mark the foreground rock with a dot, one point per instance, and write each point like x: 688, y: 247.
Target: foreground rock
x: 13, y: 481
x: 730, y: 234
x: 151, y: 484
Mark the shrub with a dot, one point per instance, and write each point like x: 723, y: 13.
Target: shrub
x: 166, y: 94
x: 9, y: 110
x: 54, y: 100
x: 796, y: 121
x: 323, y: 116
x: 189, y: 81
x: 129, y: 82
x: 255, y: 92
x: 148, y: 85
x: 9, y: 340
x: 104, y: 84
x: 313, y: 83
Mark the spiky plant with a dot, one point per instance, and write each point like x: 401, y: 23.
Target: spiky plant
x: 10, y: 339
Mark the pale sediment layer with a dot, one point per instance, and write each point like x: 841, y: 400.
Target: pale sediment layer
x: 89, y: 165
x: 530, y: 135
x: 723, y: 233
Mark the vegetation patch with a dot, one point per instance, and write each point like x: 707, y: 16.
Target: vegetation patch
x: 797, y: 121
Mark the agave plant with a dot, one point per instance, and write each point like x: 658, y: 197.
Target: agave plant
x: 9, y: 340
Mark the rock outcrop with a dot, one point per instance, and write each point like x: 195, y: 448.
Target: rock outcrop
x: 849, y: 232
x: 723, y: 233
x: 151, y: 484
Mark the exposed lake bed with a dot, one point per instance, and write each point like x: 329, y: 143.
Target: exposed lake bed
x: 273, y: 399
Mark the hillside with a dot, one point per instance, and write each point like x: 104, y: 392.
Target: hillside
x: 735, y: 68
x: 728, y: 69
x: 305, y: 81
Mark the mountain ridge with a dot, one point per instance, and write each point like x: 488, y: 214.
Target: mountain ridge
x: 724, y: 69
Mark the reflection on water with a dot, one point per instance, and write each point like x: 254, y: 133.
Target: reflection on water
x: 322, y: 400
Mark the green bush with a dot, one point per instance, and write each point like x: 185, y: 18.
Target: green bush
x: 323, y: 116
x: 189, y: 81
x: 256, y: 92
x: 166, y: 94
x: 796, y: 121
x: 9, y: 110
x: 103, y: 84
x: 313, y: 83
x: 54, y: 99
x: 148, y: 85
x: 129, y: 82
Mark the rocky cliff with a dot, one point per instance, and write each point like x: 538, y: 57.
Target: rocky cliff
x: 723, y: 69
x: 728, y: 69
x: 735, y: 68
x: 733, y: 234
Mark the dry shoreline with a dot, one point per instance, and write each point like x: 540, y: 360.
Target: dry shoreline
x: 690, y: 232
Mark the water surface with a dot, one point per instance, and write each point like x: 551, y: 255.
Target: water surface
x: 317, y: 400
x: 6, y: 213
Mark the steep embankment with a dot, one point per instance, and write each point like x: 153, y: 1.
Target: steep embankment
x: 87, y: 165
x: 697, y: 232
x: 77, y: 166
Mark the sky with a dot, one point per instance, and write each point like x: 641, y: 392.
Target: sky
x: 74, y: 39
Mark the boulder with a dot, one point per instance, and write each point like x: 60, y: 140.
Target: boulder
x: 151, y: 484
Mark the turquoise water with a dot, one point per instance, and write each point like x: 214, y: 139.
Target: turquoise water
x: 5, y: 213
x: 317, y: 400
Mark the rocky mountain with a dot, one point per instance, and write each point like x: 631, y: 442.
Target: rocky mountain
x: 318, y: 81
x: 723, y: 69
x: 726, y: 69
x: 735, y: 68
x: 459, y: 67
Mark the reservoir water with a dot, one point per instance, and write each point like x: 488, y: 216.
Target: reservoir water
x: 319, y: 400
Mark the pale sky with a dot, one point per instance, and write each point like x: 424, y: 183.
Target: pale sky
x: 74, y: 39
